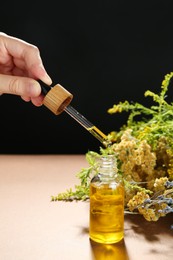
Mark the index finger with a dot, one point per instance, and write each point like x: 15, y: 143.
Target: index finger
x: 28, y: 53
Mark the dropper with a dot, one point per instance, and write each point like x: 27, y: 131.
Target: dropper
x: 57, y: 99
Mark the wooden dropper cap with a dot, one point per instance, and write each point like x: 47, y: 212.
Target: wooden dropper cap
x: 57, y: 99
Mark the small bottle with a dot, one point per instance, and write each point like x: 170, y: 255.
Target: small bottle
x: 107, y: 203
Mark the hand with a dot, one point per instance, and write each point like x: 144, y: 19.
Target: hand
x: 20, y: 68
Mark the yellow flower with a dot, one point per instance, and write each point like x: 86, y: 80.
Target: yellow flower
x: 149, y: 214
x: 137, y: 200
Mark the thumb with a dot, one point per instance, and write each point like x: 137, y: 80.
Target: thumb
x: 21, y: 86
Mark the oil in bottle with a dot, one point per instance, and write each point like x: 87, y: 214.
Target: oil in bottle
x: 107, y: 204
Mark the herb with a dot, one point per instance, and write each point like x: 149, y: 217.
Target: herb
x: 143, y: 148
x: 81, y: 191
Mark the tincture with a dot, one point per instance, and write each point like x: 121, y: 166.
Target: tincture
x: 107, y: 203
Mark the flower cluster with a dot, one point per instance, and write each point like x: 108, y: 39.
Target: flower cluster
x: 145, y: 177
x: 138, y: 161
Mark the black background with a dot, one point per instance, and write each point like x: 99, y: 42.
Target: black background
x: 102, y: 51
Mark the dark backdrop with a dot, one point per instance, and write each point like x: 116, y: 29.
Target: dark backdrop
x: 101, y: 51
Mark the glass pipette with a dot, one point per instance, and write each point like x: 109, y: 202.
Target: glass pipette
x: 57, y: 99
x: 87, y: 125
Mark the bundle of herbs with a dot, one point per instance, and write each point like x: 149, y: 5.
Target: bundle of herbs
x: 143, y: 149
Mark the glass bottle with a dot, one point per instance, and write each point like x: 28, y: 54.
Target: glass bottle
x: 107, y: 203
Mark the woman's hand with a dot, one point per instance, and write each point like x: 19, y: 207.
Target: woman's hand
x: 20, y: 68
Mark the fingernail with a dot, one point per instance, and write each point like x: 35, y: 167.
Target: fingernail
x: 48, y: 79
x: 45, y: 77
x: 34, y: 89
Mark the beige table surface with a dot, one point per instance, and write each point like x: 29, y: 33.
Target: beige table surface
x: 34, y: 228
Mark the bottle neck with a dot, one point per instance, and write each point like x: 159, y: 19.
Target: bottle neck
x: 108, y: 167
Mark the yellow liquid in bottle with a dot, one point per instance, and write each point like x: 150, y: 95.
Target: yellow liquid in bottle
x: 106, y: 213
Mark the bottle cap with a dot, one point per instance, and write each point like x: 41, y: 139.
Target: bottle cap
x: 57, y: 99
